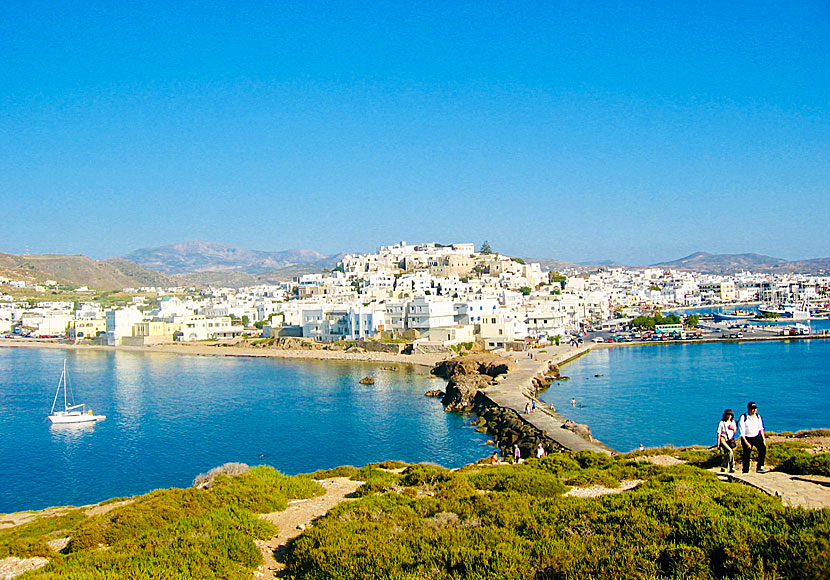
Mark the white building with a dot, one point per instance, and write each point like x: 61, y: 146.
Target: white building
x: 120, y: 324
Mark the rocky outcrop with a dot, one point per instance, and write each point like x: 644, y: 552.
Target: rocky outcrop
x: 293, y: 343
x: 480, y: 364
x: 462, y: 390
x: 387, y: 347
x: 466, y: 375
x: 367, y: 381
x: 434, y: 393
x: 543, y: 381
x: 580, y: 429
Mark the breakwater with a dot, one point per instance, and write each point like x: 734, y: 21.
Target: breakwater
x: 499, y: 390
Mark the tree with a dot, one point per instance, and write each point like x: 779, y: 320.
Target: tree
x: 518, y: 260
x: 692, y: 320
x: 525, y: 290
x: 485, y: 248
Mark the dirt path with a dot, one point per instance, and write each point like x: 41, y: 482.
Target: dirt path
x: 300, y: 515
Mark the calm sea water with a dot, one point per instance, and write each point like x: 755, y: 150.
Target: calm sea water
x: 171, y: 417
x: 675, y: 393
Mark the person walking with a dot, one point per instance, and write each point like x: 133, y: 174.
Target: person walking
x: 540, y: 451
x: 727, y: 429
x: 752, y: 435
x: 517, y: 454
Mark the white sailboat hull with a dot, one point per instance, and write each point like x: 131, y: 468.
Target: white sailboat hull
x: 71, y: 413
x: 63, y: 418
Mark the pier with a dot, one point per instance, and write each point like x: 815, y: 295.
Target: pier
x: 516, y: 389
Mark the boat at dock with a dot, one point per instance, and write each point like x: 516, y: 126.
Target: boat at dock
x: 795, y: 311
x: 71, y: 413
x: 736, y: 315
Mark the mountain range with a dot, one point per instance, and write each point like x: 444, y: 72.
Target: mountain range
x: 196, y: 256
x: 732, y: 263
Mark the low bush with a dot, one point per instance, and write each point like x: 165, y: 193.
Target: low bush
x: 680, y: 523
x: 176, y: 533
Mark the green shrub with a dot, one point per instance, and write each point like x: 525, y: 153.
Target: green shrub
x: 532, y: 482
x: 342, y: 471
x: 425, y: 474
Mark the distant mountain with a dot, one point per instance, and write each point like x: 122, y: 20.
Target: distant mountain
x: 551, y: 265
x: 236, y: 279
x: 200, y: 257
x: 731, y: 263
x: 113, y: 274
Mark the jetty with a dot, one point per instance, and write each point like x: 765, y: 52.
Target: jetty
x: 516, y: 389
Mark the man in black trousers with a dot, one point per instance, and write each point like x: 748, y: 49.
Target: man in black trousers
x: 751, y: 427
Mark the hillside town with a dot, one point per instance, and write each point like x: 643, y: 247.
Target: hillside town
x: 429, y: 293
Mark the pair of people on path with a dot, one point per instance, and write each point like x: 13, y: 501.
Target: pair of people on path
x: 751, y: 430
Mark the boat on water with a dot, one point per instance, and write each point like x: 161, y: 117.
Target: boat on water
x: 736, y: 315
x: 795, y: 311
x: 71, y: 413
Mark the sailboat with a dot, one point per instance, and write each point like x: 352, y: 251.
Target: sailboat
x: 71, y: 413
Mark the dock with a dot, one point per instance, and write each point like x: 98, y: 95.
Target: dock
x: 516, y: 389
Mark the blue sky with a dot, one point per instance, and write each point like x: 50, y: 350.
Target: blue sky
x: 633, y: 132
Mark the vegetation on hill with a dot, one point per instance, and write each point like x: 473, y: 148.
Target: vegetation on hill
x: 479, y: 522
x: 513, y: 522
x: 175, y: 533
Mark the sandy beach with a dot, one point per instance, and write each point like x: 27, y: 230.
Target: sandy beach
x: 222, y: 349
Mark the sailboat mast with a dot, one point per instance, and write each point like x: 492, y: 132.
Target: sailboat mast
x: 63, y: 376
x: 58, y: 390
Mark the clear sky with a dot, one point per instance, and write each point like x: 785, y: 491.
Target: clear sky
x: 632, y: 131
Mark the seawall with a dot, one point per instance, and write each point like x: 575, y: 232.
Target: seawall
x: 502, y: 406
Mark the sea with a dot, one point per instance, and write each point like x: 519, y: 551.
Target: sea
x: 171, y: 417
x: 675, y: 394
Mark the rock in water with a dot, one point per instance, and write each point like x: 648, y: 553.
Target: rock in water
x: 461, y: 391
x: 435, y: 393
x: 367, y: 381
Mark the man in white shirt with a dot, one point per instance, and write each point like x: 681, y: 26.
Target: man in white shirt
x: 752, y: 435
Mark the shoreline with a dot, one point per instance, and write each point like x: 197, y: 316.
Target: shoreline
x: 222, y: 349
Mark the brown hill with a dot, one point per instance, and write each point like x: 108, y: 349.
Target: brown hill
x: 77, y: 270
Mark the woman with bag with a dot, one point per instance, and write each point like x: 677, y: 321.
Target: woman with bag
x: 726, y: 440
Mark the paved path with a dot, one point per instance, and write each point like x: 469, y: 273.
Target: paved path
x: 516, y: 389
x: 809, y: 491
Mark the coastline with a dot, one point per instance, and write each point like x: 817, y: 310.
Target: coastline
x: 220, y: 349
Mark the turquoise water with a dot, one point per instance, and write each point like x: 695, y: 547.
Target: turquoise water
x: 171, y: 417
x: 675, y: 393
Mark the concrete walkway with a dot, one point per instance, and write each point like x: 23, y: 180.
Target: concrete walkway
x: 808, y: 491
x: 516, y: 389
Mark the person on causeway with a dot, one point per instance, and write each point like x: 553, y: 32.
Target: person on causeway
x: 726, y: 440
x: 752, y: 435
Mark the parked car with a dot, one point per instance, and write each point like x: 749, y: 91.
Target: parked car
x: 598, y: 339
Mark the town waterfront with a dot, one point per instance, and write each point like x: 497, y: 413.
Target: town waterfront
x: 675, y: 393
x: 170, y: 417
